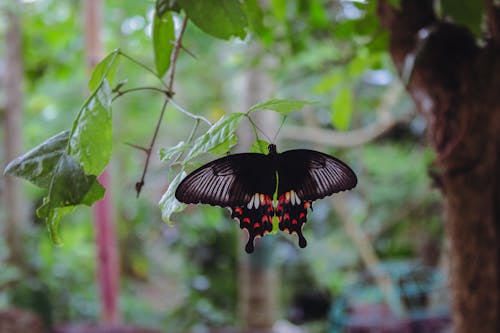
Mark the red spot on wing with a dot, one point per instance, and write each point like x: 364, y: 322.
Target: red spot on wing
x: 292, y: 217
x: 257, y: 221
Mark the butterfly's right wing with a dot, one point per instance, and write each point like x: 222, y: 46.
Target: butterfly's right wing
x: 305, y: 176
x: 244, y: 183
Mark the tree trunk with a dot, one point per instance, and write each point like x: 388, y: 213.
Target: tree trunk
x: 15, y: 207
x: 106, y: 242
x: 258, y: 277
x: 455, y: 85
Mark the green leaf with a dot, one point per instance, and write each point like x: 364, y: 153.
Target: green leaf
x: 163, y: 6
x: 168, y: 203
x: 52, y: 217
x: 218, y: 139
x: 329, y: 82
x: 465, y: 12
x: 219, y: 18
x: 167, y: 153
x: 283, y: 106
x: 254, y: 14
x: 38, y: 164
x: 70, y: 186
x: 342, y: 109
x: 163, y: 36
x: 90, y: 140
x: 105, y: 70
x: 259, y: 146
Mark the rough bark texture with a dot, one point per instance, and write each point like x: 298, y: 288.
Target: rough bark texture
x: 455, y: 85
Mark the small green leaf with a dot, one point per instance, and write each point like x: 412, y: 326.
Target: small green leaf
x: 52, y: 217
x: 283, y: 106
x: 465, y: 12
x: 219, y: 18
x: 163, y: 6
x: 163, y: 37
x: 219, y: 138
x: 259, y: 146
x: 342, y: 109
x: 104, y: 70
x: 167, y: 153
x: 329, y: 82
x: 168, y: 203
x: 37, y: 165
x: 90, y: 140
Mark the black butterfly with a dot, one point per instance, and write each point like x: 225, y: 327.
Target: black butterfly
x: 246, y: 183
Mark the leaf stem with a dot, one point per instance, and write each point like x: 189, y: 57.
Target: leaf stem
x: 189, y: 114
x: 255, y: 128
x: 120, y: 93
x: 140, y: 64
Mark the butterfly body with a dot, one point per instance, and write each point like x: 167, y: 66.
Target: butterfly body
x: 246, y: 184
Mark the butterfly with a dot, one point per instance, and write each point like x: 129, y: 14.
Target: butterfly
x: 247, y: 183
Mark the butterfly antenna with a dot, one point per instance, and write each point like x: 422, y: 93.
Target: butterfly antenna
x: 279, y: 129
x: 259, y: 129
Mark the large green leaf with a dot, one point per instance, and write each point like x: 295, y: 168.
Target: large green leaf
x: 163, y: 37
x: 254, y: 14
x: 90, y: 140
x: 342, y: 109
x: 104, y: 70
x: 168, y: 203
x: 283, y: 106
x: 68, y: 163
x: 219, y: 138
x: 219, y: 18
x: 465, y: 12
x: 69, y: 186
x: 167, y: 153
x: 38, y: 164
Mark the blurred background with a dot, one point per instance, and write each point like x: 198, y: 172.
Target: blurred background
x: 374, y: 260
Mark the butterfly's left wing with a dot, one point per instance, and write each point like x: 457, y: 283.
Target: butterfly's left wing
x: 305, y: 176
x: 244, y: 183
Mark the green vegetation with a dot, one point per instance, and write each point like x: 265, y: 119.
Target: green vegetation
x: 329, y: 68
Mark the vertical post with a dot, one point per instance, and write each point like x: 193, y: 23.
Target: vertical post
x: 106, y: 243
x: 12, y: 122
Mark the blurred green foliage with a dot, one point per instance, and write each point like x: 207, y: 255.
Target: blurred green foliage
x: 185, y: 275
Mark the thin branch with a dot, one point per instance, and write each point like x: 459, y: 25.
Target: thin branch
x: 137, y: 147
x: 369, y: 256
x: 336, y: 138
x: 175, y: 55
x: 169, y: 94
x: 140, y: 64
x: 120, y: 93
x: 140, y: 184
x: 189, y: 114
x: 356, y: 137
